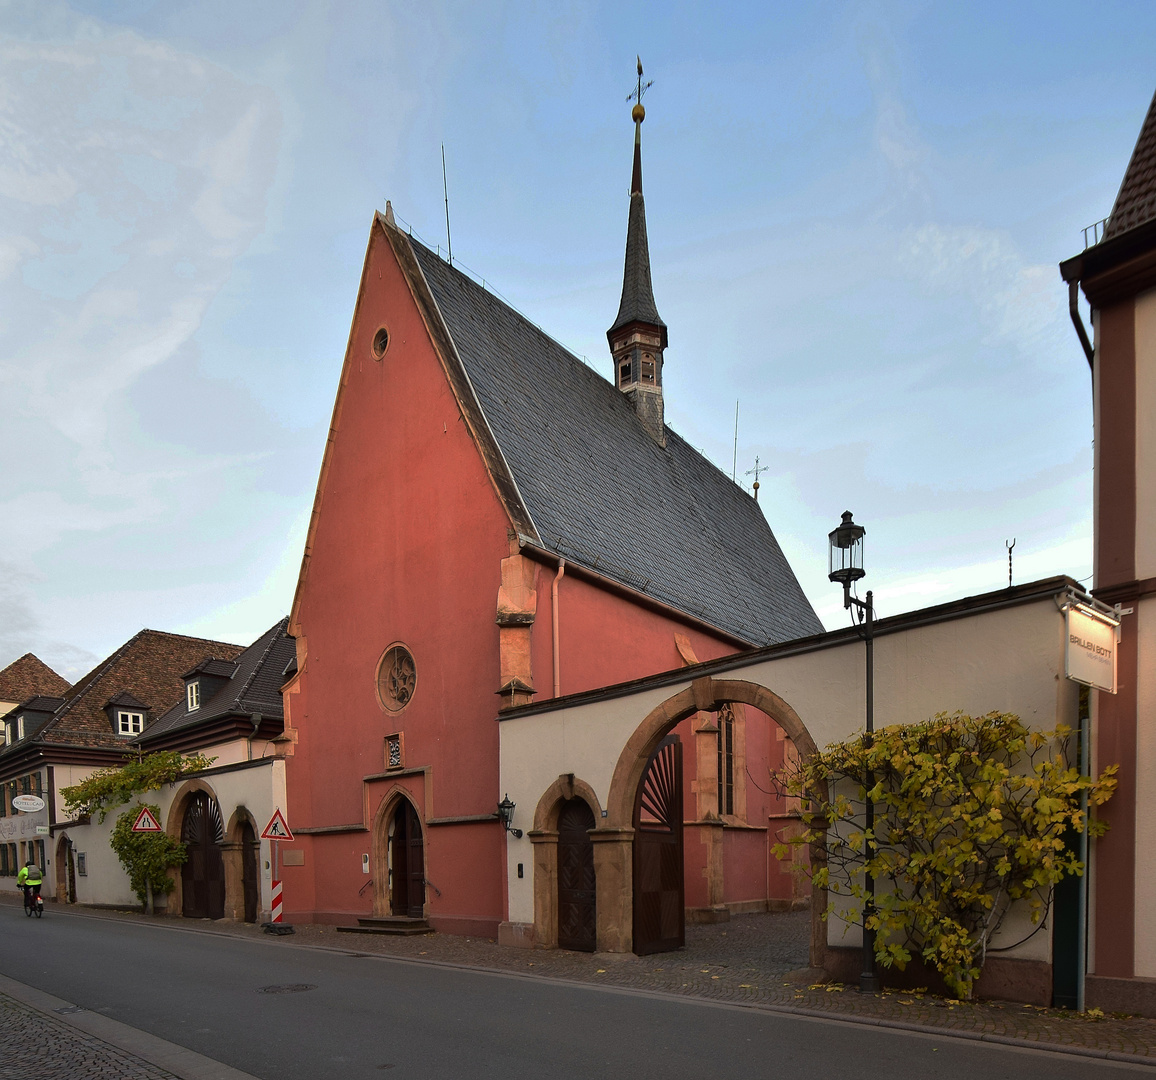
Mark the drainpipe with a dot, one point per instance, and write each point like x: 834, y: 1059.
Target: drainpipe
x: 254, y: 719
x: 554, y: 616
x: 1077, y: 322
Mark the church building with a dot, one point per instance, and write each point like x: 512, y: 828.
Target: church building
x: 497, y: 525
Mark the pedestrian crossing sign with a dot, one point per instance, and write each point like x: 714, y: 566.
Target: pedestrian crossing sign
x: 278, y: 828
x: 145, y: 822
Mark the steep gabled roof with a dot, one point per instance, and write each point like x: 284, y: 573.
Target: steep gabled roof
x: 1136, y: 201
x: 28, y: 676
x: 597, y: 488
x: 148, y: 666
x: 255, y: 687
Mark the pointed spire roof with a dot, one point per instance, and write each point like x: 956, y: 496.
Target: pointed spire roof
x: 637, y: 304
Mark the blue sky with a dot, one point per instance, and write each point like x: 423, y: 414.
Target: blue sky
x: 855, y: 216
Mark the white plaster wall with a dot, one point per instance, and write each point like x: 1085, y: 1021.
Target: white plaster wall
x: 1145, y: 930
x: 1009, y: 659
x: 260, y: 789
x: 1146, y: 437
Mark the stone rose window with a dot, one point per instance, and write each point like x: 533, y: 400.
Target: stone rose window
x: 396, y: 678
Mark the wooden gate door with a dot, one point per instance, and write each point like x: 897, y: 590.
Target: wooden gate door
x: 659, y: 912
x: 250, y: 851
x: 577, y: 926
x: 203, y: 874
x: 407, y: 863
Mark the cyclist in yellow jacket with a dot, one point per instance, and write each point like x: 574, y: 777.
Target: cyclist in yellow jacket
x: 30, y: 879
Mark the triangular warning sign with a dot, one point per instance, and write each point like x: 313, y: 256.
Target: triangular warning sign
x: 145, y: 822
x: 277, y: 829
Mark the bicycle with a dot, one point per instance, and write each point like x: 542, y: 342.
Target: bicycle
x: 33, y: 901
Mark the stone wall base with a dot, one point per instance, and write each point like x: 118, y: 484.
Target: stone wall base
x: 1026, y: 981
x: 517, y: 935
x: 1135, y: 995
x: 465, y: 925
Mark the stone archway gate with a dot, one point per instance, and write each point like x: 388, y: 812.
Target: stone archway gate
x: 999, y: 651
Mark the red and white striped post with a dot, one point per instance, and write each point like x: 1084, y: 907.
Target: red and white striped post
x: 276, y: 900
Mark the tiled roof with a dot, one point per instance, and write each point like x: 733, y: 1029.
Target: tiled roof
x: 27, y: 676
x: 601, y: 492
x: 1136, y: 202
x: 149, y: 667
x: 222, y: 669
x: 255, y: 687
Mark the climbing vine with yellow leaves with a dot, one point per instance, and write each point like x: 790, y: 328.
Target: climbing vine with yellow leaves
x: 971, y: 817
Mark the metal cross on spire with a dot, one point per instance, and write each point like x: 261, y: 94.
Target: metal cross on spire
x: 636, y: 94
x: 756, y: 470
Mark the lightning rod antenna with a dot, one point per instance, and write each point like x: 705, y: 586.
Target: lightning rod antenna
x: 446, y: 191
x: 1009, y: 559
x: 735, y: 459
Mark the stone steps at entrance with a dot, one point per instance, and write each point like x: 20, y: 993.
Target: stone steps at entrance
x: 397, y: 925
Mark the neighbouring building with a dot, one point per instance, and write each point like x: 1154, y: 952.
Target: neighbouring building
x: 27, y: 677
x: 229, y: 710
x: 1118, y: 277
x: 54, y: 742
x: 496, y: 524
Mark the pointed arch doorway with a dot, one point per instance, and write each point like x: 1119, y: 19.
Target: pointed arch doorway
x: 406, y: 858
x: 203, y: 873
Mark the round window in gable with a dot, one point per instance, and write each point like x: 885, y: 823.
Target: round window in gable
x: 396, y: 678
x: 380, y: 343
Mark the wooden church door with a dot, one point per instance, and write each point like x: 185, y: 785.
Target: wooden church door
x: 250, y: 855
x: 577, y: 927
x: 407, y: 851
x: 203, y: 873
x: 659, y: 905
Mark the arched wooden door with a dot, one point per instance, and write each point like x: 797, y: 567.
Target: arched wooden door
x: 250, y: 853
x: 659, y: 911
x: 203, y: 874
x: 406, y: 863
x: 577, y: 926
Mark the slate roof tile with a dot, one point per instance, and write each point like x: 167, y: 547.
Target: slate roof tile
x: 601, y: 492
x: 255, y: 687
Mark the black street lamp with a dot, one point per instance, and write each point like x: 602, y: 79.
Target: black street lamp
x: 845, y: 565
x: 506, y: 816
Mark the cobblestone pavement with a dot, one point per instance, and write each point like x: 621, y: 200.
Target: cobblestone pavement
x: 60, y: 1052
x: 754, y: 960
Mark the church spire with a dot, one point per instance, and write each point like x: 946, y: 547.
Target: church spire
x: 638, y: 336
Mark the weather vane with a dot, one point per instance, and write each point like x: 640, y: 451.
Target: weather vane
x: 635, y: 95
x: 756, y: 470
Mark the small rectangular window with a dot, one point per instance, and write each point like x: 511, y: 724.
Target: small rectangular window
x: 20, y: 727
x: 648, y: 371
x: 624, y: 373
x: 129, y: 723
x: 194, y: 693
x: 82, y: 863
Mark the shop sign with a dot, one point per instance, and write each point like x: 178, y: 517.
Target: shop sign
x: 1090, y: 649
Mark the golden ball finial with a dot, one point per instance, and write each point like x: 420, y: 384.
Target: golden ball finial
x: 638, y: 113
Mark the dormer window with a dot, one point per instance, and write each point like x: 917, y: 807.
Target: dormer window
x: 129, y: 723
x: 194, y: 695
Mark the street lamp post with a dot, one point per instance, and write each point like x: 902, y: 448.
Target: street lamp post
x: 845, y: 566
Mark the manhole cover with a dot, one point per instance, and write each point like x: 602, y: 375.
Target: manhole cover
x: 287, y: 988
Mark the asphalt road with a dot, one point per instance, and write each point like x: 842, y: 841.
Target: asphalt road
x: 367, y: 1016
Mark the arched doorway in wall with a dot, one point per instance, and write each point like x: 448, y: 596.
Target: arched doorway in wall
x: 203, y: 873
x: 577, y: 916
x: 619, y: 833
x: 405, y: 859
x: 250, y: 856
x: 659, y: 907
x: 65, y: 870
